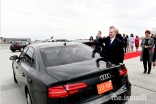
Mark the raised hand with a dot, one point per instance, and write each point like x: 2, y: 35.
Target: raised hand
x: 97, y: 64
x: 93, y: 55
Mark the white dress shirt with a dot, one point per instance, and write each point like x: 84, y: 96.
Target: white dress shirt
x: 112, y: 39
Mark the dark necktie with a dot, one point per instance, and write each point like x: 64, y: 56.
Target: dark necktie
x: 110, y: 41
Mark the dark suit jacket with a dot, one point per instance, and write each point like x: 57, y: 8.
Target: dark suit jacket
x: 113, y: 51
x: 125, y: 41
x: 119, y: 36
x: 97, y: 47
x: 96, y: 40
x: 154, y: 40
x: 154, y: 56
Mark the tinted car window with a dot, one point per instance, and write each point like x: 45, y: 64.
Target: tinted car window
x: 29, y: 57
x: 23, y: 53
x: 54, y: 56
x: 15, y: 43
x: 33, y: 62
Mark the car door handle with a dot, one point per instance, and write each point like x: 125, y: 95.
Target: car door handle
x: 16, y: 67
x: 23, y: 75
x: 29, y: 80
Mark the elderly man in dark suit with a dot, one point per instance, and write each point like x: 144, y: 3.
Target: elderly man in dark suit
x: 118, y: 35
x: 113, y: 47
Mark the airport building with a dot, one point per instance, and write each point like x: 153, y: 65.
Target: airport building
x: 11, y: 40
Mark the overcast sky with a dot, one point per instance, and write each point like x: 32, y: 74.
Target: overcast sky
x: 72, y: 19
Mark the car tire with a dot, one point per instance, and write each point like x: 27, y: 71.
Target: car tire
x: 13, y: 50
x: 28, y: 96
x: 15, y: 80
x: 21, y: 49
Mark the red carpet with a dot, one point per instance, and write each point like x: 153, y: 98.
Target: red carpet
x: 133, y: 55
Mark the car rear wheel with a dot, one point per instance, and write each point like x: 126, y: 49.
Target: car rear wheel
x: 21, y: 49
x: 29, y: 101
x: 15, y: 80
x: 13, y: 50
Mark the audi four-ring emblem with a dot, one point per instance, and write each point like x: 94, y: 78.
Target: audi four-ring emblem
x: 105, y: 76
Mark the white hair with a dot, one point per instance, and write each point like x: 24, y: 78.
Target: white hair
x: 112, y: 27
x: 117, y: 31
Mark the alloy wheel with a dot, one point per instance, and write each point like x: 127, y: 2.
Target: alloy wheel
x: 28, y: 98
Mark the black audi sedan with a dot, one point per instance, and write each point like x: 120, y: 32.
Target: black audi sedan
x: 58, y: 73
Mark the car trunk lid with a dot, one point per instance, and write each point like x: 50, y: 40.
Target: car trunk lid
x: 75, y: 70
x: 87, y: 72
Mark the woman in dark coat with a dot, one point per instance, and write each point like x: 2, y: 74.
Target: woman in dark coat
x: 146, y: 55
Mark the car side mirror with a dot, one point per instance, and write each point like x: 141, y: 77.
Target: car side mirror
x: 15, y: 57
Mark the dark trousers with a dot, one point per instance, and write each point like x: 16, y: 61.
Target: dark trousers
x: 125, y: 46
x: 125, y: 49
x: 145, y: 66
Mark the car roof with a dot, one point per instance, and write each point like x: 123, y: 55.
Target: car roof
x: 54, y: 44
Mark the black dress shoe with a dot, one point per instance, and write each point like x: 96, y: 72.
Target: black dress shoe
x: 144, y: 72
x: 148, y: 73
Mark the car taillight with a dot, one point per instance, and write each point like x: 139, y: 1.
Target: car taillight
x: 123, y: 72
x: 61, y: 92
x: 17, y: 44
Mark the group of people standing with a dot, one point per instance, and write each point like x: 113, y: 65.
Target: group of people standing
x: 128, y: 42
x: 120, y: 44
